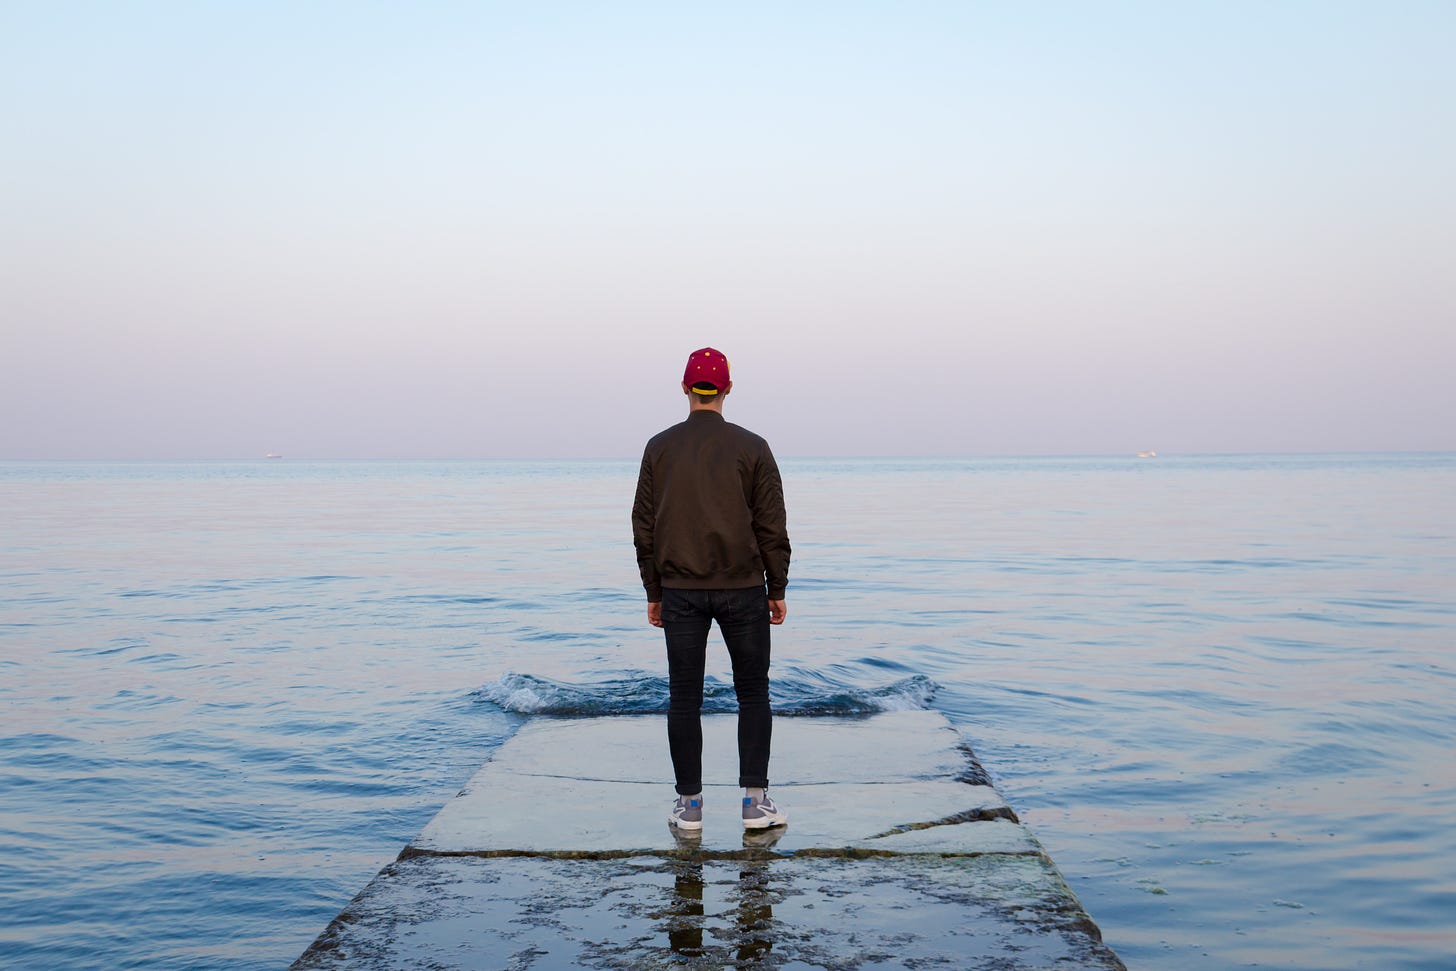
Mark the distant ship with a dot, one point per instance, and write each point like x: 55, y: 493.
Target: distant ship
x: 272, y: 455
x: 1147, y: 455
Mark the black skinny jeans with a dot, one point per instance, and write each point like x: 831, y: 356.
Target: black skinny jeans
x: 742, y: 617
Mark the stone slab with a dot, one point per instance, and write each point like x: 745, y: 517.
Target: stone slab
x: 891, y: 747
x: 506, y: 814
x: 558, y: 853
x: 603, y: 786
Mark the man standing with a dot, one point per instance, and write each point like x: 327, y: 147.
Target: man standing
x: 709, y: 526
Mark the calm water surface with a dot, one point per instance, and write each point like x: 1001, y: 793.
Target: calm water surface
x: 1220, y: 690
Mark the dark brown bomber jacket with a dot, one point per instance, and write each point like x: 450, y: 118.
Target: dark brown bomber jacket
x: 709, y: 512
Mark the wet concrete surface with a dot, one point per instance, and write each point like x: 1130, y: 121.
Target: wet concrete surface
x: 558, y: 854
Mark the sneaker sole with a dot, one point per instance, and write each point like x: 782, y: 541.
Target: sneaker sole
x: 767, y: 822
x: 685, y: 823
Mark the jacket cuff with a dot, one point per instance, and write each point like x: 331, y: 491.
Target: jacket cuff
x: 777, y: 593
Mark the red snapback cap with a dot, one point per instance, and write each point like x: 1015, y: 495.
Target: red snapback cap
x: 706, y: 366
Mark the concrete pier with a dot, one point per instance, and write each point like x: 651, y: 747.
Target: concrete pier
x: 558, y: 854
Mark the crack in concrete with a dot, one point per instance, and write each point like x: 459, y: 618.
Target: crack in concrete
x: 969, y: 816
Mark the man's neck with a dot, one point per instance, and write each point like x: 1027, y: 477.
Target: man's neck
x: 714, y: 404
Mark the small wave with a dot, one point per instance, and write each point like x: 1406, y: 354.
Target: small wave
x: 793, y: 697
x: 528, y: 694
x: 647, y: 694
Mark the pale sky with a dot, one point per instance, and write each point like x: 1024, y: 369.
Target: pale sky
x: 458, y: 230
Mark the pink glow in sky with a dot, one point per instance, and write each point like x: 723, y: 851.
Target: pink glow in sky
x: 475, y: 230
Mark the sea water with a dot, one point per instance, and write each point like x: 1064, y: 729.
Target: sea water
x: 1220, y: 690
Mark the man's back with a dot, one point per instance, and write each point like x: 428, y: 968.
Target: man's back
x: 709, y: 510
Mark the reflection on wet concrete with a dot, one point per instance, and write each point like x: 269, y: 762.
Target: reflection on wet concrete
x: 755, y: 911
x: 750, y: 905
x: 751, y: 900
x: 685, y: 919
x: 755, y: 899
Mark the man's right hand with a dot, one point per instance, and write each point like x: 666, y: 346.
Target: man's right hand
x: 777, y: 611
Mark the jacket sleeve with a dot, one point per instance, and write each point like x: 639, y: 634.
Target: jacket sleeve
x: 644, y: 522
x: 770, y: 524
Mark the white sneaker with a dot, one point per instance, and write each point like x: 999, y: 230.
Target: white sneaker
x: 762, y: 813
x: 687, y: 812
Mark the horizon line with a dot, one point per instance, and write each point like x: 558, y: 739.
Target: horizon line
x: 969, y: 456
